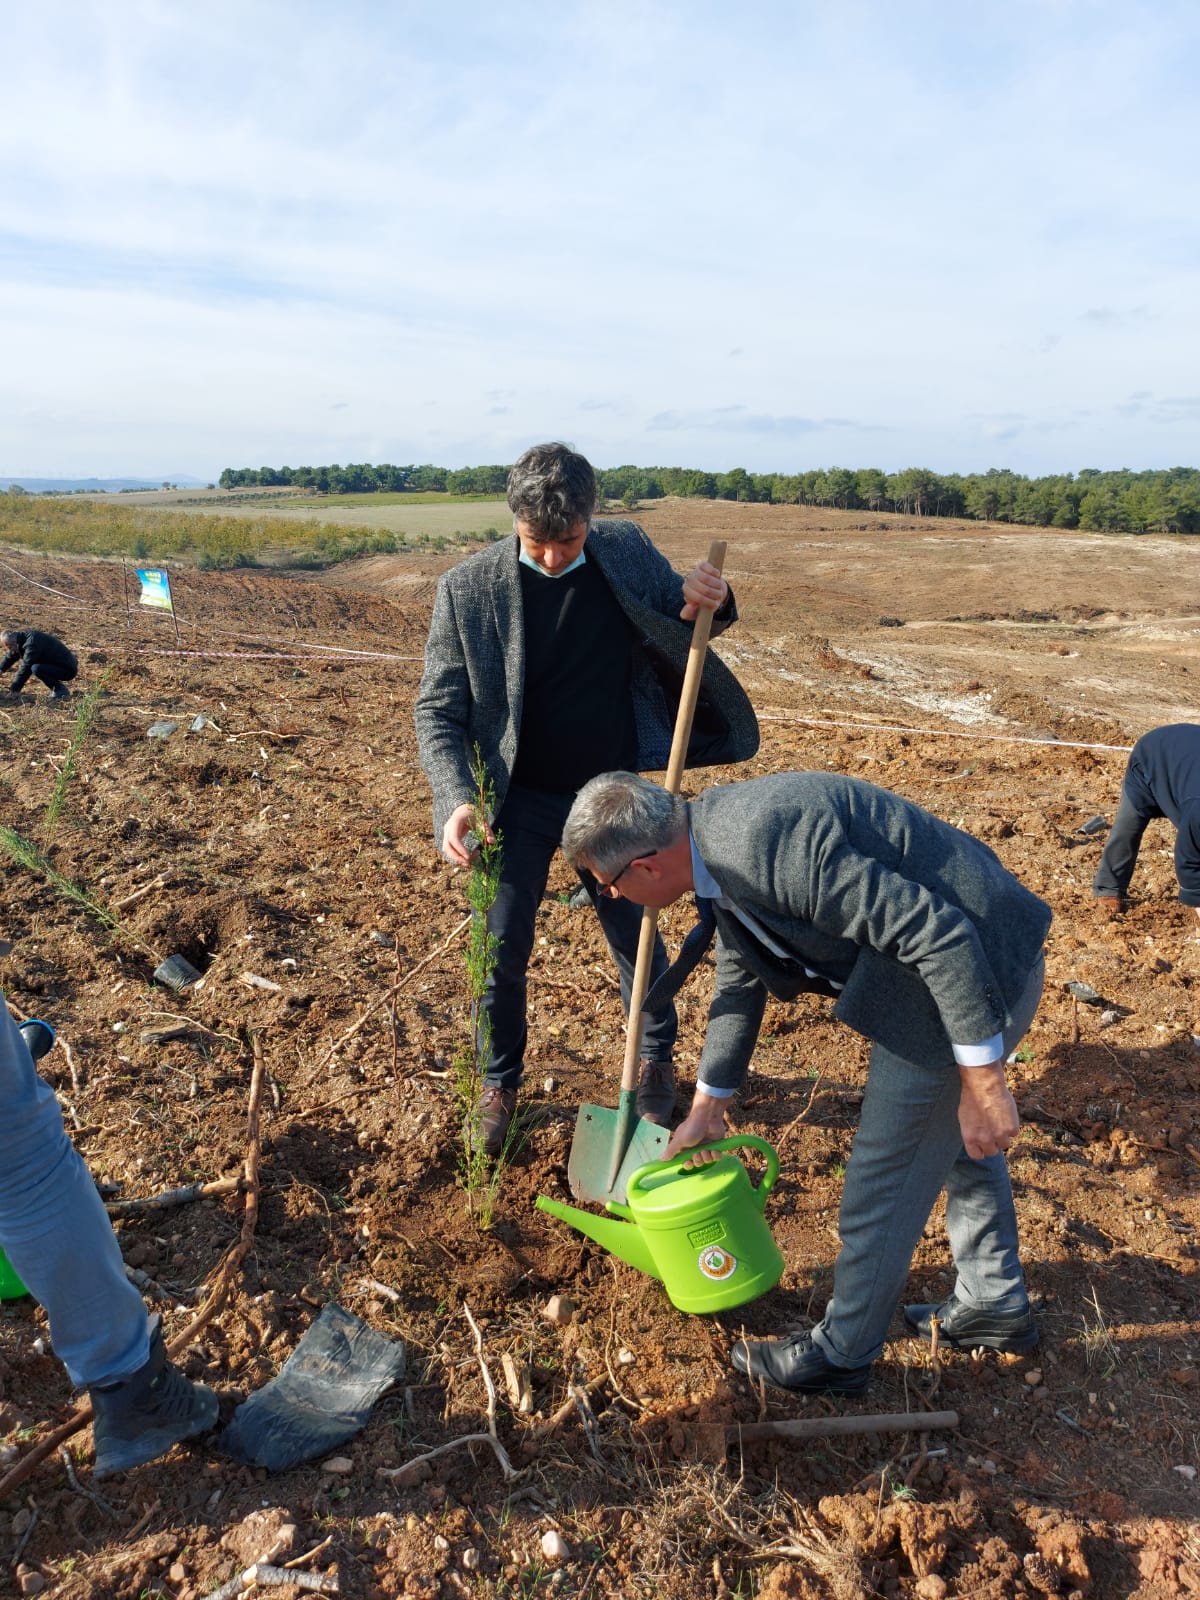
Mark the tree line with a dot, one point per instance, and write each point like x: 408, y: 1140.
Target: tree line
x: 1156, y: 501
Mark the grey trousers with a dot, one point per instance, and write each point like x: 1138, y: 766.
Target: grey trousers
x: 907, y: 1149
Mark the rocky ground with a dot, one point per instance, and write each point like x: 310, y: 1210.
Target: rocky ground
x: 288, y: 838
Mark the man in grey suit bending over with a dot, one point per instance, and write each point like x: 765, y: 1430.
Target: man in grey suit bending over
x: 556, y: 654
x: 930, y: 948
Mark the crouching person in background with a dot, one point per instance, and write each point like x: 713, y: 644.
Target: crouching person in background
x: 42, y: 656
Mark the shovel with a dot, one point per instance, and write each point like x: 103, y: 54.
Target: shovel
x: 609, y: 1145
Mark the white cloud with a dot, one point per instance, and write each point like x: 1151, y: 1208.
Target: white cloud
x: 271, y: 231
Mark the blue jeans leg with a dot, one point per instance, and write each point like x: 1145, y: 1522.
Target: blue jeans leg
x: 530, y: 824
x: 56, y: 1232
x: 908, y: 1147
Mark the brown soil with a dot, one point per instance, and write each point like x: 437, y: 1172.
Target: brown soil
x: 294, y: 839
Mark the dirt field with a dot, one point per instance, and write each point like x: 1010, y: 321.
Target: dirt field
x: 292, y: 837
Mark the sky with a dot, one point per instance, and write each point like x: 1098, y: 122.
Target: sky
x: 773, y: 235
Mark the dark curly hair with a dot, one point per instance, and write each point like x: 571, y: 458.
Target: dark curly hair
x: 551, y: 488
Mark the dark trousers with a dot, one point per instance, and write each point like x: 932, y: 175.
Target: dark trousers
x: 1124, y: 841
x: 530, y: 824
x: 1120, y: 849
x: 52, y: 677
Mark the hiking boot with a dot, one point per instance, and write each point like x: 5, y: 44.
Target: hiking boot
x: 656, y: 1092
x: 496, y: 1108
x: 1110, y: 905
x: 964, y: 1327
x: 795, y: 1363
x: 60, y: 693
x: 144, y: 1415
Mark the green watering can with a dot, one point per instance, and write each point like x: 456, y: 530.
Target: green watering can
x: 702, y: 1232
x: 11, y: 1287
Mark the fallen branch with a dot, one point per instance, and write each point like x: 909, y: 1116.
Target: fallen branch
x: 383, y: 1000
x: 227, y: 1270
x: 260, y: 1573
x: 98, y: 1500
x: 556, y: 1419
x: 373, y: 1286
x: 142, y: 1281
x: 139, y: 894
x: 19, y: 1547
x: 309, y: 1554
x: 800, y: 1115
x: 363, y: 1088
x: 587, y: 1416
x: 430, y: 1455
x: 176, y: 1197
x: 506, y: 1466
x: 144, y: 1521
x: 829, y: 1427
x: 76, y: 1077
x: 192, y: 1026
x: 255, y: 982
x: 489, y: 1438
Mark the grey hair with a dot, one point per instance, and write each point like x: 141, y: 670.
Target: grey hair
x: 551, y: 489
x: 617, y: 817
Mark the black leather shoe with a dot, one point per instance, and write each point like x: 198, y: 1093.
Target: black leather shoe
x: 797, y: 1364
x: 496, y: 1108
x: 656, y: 1093
x: 969, y: 1327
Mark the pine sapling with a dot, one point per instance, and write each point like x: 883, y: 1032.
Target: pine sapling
x: 480, y: 1178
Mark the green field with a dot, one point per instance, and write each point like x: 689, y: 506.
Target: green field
x: 208, y: 531
x: 415, y: 516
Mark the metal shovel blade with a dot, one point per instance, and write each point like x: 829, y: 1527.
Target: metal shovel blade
x: 593, y: 1169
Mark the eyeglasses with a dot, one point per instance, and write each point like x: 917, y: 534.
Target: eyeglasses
x: 609, y: 889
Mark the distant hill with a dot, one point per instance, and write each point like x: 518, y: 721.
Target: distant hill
x: 95, y: 485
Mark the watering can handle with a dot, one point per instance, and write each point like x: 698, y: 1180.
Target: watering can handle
x: 737, y: 1141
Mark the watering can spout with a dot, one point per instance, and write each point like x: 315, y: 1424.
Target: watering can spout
x: 622, y: 1239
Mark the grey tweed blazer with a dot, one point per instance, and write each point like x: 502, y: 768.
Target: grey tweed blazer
x: 932, y: 937
x: 472, y: 689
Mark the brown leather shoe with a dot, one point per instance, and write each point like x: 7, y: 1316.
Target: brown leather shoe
x: 1110, y: 905
x: 496, y: 1108
x: 656, y: 1092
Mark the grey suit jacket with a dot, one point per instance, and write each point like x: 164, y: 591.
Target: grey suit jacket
x: 472, y: 689
x: 931, y: 936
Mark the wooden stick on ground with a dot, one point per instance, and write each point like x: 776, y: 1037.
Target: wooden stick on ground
x: 138, y: 894
x: 828, y: 1427
x: 175, y: 1197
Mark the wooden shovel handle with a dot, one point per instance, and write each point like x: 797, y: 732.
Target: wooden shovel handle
x: 688, y: 695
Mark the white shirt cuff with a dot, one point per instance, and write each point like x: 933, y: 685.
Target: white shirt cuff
x: 717, y: 1094
x: 980, y: 1055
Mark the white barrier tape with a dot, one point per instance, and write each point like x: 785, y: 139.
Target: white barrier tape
x: 325, y: 649
x: 952, y: 733
x: 84, y: 605
x: 272, y: 655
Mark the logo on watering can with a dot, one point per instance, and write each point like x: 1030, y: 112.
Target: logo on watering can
x: 716, y: 1263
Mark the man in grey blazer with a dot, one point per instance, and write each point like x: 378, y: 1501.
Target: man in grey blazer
x: 930, y: 947
x: 556, y: 655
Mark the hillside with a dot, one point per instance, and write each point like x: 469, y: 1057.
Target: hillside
x: 289, y: 837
